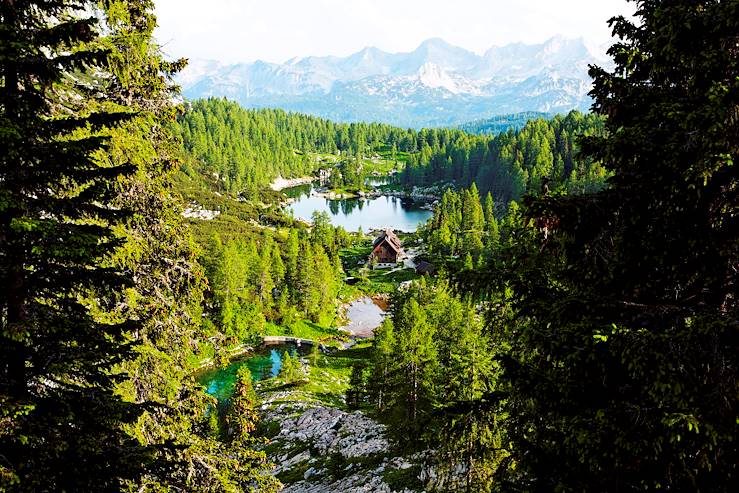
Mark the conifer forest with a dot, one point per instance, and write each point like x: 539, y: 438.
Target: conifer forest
x: 202, y: 295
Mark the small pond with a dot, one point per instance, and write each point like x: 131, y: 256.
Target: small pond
x: 264, y: 363
x: 364, y: 316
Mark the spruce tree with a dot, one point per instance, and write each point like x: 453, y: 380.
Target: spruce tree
x: 237, y: 466
x: 242, y: 415
x: 469, y: 427
x: 63, y: 424
x: 418, y: 362
x: 357, y: 391
x: 623, y: 363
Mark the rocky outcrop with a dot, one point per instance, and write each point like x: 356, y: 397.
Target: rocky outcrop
x: 322, y: 449
x: 332, y: 431
x: 370, y: 482
x: 281, y: 183
x: 197, y: 212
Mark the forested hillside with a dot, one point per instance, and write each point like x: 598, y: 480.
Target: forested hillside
x: 247, y: 149
x: 566, y: 320
x: 502, y: 123
x: 512, y: 163
x: 263, y: 277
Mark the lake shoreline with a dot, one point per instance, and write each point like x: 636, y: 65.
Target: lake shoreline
x: 374, y: 210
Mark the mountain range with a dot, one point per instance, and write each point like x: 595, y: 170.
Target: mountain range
x: 437, y: 84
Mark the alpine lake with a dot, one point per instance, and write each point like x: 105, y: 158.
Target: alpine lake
x: 369, y: 213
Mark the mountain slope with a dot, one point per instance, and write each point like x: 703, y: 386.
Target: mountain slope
x: 437, y: 84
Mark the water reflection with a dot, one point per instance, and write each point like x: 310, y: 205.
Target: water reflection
x: 367, y: 213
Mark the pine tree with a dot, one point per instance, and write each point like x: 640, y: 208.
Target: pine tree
x: 468, y: 265
x: 292, y: 254
x: 417, y: 360
x: 489, y: 209
x: 291, y: 370
x: 383, y: 364
x: 235, y: 465
x: 314, y: 354
x: 356, y: 393
x: 472, y: 438
x: 156, y: 249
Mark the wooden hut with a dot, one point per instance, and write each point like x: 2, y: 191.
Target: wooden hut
x: 386, y: 249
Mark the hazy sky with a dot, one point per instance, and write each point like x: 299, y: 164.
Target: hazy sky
x: 276, y: 30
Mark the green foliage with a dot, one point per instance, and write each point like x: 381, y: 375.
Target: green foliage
x: 247, y: 149
x: 112, y: 327
x: 357, y: 391
x: 305, y: 329
x: 623, y: 362
x: 268, y: 279
x: 63, y: 425
x: 503, y: 123
x: 431, y: 365
x: 462, y: 227
x: 511, y: 163
x: 291, y: 371
x: 242, y: 416
x: 380, y: 385
x: 315, y: 353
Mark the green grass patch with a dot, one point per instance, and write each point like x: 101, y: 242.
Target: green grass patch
x: 267, y: 429
x: 387, y: 153
x: 337, y: 465
x: 346, y: 192
x: 381, y: 165
x: 205, y: 352
x: 399, y: 479
x: 305, y: 329
x: 351, y: 257
x: 328, y: 377
x: 294, y: 474
x: 384, y: 280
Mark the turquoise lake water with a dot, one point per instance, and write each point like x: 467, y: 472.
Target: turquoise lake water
x: 264, y: 363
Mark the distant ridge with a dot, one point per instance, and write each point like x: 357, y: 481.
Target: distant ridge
x: 503, y: 123
x: 437, y: 84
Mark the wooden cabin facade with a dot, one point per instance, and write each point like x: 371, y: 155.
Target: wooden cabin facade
x: 387, y: 249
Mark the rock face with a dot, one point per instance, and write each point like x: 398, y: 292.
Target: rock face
x: 331, y: 450
x: 355, y: 483
x: 435, y: 85
x: 333, y: 431
x: 281, y: 183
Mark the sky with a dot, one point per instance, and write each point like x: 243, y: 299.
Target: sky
x: 234, y: 31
